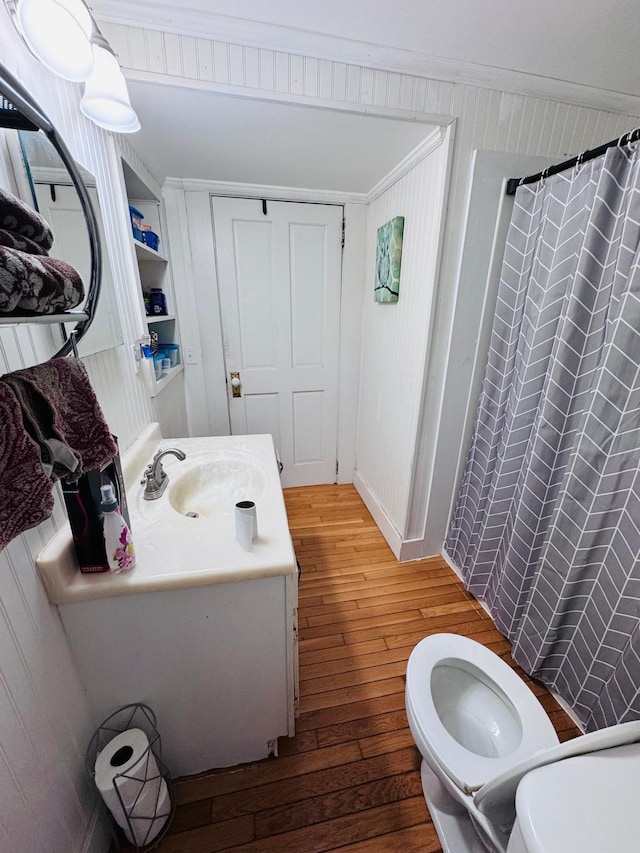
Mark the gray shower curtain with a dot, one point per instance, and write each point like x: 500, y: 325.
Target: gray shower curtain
x: 546, y: 529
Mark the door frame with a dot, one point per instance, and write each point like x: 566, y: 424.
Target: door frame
x: 188, y: 208
x: 330, y: 216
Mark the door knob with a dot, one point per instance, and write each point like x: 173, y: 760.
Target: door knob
x: 236, y: 389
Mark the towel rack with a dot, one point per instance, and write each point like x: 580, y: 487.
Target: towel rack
x: 20, y: 100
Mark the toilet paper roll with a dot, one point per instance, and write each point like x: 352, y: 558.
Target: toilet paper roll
x: 129, y: 781
x: 246, y: 524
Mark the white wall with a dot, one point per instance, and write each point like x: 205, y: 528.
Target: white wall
x: 46, y: 802
x: 395, y: 337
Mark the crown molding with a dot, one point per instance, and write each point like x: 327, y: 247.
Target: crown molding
x: 202, y: 24
x: 268, y: 192
x: 422, y: 150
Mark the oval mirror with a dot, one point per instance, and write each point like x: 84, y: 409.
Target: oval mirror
x: 19, y: 111
x: 44, y: 182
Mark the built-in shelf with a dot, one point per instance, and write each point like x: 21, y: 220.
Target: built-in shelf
x: 154, y: 273
x: 144, y: 253
x: 161, y: 384
x: 45, y: 319
x: 159, y: 318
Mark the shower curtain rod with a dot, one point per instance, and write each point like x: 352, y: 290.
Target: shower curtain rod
x: 625, y: 139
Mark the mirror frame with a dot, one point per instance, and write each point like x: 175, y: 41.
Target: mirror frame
x: 14, y: 92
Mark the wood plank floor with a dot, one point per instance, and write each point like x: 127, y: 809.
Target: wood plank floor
x: 349, y: 780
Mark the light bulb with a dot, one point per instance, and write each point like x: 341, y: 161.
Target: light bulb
x: 58, y: 32
x: 106, y: 99
x: 80, y: 13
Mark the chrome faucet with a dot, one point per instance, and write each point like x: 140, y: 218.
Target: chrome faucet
x: 155, y: 479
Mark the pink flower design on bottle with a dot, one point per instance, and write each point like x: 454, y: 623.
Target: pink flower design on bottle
x: 124, y: 554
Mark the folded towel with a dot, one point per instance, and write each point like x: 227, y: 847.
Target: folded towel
x: 25, y: 489
x: 59, y: 405
x: 36, y: 284
x: 20, y: 242
x: 18, y: 217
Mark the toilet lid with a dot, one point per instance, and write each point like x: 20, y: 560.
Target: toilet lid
x: 467, y: 769
x: 496, y: 799
x: 586, y: 804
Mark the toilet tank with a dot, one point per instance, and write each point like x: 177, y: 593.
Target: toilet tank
x: 586, y: 804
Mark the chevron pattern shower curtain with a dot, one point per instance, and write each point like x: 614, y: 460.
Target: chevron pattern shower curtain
x: 546, y: 529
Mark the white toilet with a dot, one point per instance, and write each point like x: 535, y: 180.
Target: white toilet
x: 480, y: 731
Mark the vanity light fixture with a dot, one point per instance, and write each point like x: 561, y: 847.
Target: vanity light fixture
x: 64, y: 36
x: 58, y: 33
x: 106, y: 98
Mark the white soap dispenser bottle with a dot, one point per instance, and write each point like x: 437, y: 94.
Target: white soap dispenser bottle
x: 118, y: 544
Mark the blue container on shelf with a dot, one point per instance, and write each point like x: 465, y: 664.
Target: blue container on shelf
x: 150, y: 238
x: 158, y: 301
x: 172, y: 352
x: 136, y: 222
x: 157, y: 364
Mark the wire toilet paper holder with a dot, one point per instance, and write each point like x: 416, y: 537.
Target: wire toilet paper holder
x: 133, y: 716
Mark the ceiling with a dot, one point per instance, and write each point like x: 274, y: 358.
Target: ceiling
x: 226, y: 138
x: 588, y: 42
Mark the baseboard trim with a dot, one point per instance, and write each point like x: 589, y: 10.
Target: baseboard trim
x: 404, y: 550
x: 98, y: 836
x: 413, y: 549
x: 387, y: 528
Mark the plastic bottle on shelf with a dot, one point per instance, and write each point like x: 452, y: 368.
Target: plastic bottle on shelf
x: 118, y: 543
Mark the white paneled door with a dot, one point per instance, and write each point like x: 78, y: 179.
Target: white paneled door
x: 279, y: 276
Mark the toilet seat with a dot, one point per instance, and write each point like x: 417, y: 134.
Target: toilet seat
x: 468, y: 770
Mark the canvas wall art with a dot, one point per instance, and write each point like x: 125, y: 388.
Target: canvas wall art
x: 388, y: 257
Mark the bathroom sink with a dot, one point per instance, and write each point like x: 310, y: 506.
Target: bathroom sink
x: 210, y: 488
x: 173, y: 550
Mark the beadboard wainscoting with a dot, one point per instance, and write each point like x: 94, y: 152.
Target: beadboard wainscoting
x: 395, y: 337
x: 47, y: 803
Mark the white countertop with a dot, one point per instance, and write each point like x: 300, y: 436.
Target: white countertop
x: 174, y: 551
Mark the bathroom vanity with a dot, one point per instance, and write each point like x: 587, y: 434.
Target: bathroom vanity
x: 202, y: 631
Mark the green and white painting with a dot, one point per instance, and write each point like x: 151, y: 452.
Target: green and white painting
x: 388, y: 256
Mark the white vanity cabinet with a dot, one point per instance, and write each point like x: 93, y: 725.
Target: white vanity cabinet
x: 214, y: 662
x: 202, y: 631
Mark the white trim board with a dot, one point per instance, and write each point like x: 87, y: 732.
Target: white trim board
x: 98, y: 836
x: 268, y: 192
x: 202, y: 24
x: 385, y: 525
x: 477, y: 278
x: 298, y: 98
x: 422, y: 150
x: 404, y: 550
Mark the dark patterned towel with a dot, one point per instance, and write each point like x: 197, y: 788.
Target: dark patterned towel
x: 18, y: 217
x: 25, y: 489
x: 59, y: 405
x: 20, y: 242
x: 37, y: 284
